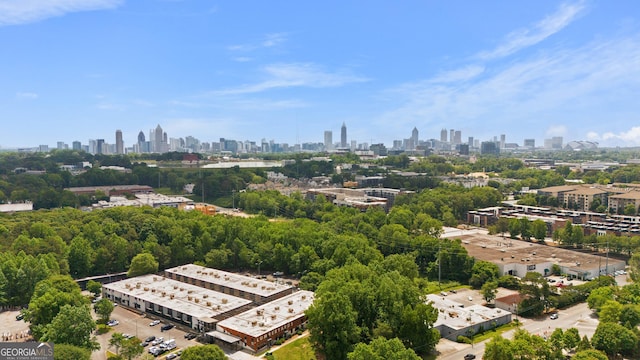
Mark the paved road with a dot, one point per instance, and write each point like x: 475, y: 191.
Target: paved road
x: 578, y: 316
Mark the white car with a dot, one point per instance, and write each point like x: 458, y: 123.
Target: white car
x: 157, y: 341
x: 113, y: 322
x: 154, y: 323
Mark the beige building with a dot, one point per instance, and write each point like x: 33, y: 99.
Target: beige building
x: 582, y: 198
x: 618, y: 202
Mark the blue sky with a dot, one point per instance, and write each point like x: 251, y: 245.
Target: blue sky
x: 289, y: 70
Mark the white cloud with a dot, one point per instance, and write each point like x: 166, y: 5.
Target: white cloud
x: 110, y: 106
x: 294, y: 75
x: 630, y: 136
x: 556, y: 130
x: 548, y: 26
x: 14, y: 12
x: 593, y: 85
x: 26, y: 95
x: 242, y: 59
x: 462, y: 74
x: 269, y: 40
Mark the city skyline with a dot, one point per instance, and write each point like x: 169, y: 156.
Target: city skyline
x: 80, y: 69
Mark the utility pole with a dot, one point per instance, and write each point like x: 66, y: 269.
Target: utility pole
x: 606, y: 270
x: 439, y: 267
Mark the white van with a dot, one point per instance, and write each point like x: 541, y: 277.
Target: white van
x: 170, y: 344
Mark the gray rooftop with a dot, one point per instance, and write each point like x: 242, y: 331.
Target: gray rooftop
x: 270, y: 316
x: 247, y: 284
x: 188, y: 299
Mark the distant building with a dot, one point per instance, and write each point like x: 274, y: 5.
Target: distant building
x: 328, y: 140
x: 555, y: 143
x: 76, y: 145
x: 530, y: 143
x: 489, y: 148
x: 443, y: 135
x: 343, y: 136
x: 100, y: 146
x: 119, y: 142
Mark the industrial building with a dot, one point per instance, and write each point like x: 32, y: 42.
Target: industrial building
x: 456, y: 320
x: 256, y: 290
x: 259, y: 328
x: 517, y: 258
x: 189, y: 305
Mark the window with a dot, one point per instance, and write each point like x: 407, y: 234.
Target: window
x: 531, y: 267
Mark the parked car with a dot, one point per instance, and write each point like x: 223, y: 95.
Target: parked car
x: 469, y: 357
x: 19, y: 317
x: 127, y: 336
x: 190, y: 336
x: 150, y: 338
x: 144, y: 344
x: 553, y: 316
x: 113, y: 322
x: 166, y: 327
x: 157, y: 341
x: 171, y: 356
x: 154, y: 323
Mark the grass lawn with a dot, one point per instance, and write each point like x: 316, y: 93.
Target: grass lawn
x: 299, y: 349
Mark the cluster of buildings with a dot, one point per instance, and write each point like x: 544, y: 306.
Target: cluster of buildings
x: 615, y: 198
x: 238, y: 311
x: 158, y: 141
x: 361, y: 199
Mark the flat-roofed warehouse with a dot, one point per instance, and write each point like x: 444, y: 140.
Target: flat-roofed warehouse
x: 258, y: 328
x: 260, y: 291
x: 455, y: 320
x: 190, y: 305
x: 517, y: 257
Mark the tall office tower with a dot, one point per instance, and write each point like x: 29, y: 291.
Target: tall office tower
x: 100, y: 146
x: 343, y: 136
x: 414, y: 136
x: 457, y: 137
x: 60, y: 145
x: 142, y: 148
x: 328, y: 140
x: 158, y: 139
x: 119, y: 143
x: 443, y: 135
x: 165, y: 142
x: 470, y: 142
x: 452, y: 133
x: 530, y: 143
x: 503, y: 141
x: 76, y: 145
x: 92, y: 146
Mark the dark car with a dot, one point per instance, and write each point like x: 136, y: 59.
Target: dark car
x: 469, y: 357
x: 166, y: 327
x: 190, y: 336
x: 144, y: 344
x: 150, y: 339
x: 19, y: 317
